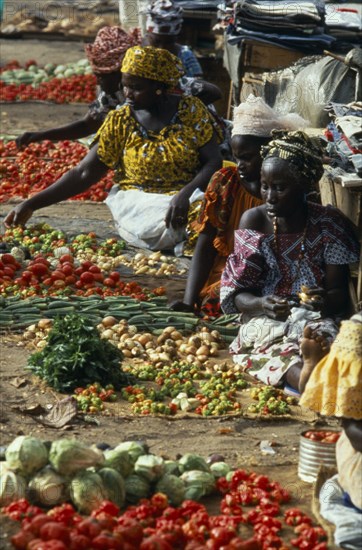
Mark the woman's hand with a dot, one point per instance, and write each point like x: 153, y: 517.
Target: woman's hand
x: 19, y: 215
x: 181, y: 306
x: 176, y: 215
x: 275, y: 307
x: 25, y: 139
x: 312, y: 298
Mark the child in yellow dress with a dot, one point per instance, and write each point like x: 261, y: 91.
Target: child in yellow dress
x: 332, y: 386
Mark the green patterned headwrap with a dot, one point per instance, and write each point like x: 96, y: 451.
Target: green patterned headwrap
x: 304, y: 152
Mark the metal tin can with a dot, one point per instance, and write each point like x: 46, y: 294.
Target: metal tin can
x: 314, y: 454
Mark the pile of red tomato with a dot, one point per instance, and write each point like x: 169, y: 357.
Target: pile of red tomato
x: 322, y: 436
x: 251, y: 518
x: 41, y: 279
x: 27, y: 171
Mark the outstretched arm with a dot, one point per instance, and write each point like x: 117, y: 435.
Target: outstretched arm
x: 211, y: 161
x: 75, y: 130
x: 89, y: 171
x: 201, y: 265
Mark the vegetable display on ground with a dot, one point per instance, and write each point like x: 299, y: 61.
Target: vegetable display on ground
x: 147, y: 507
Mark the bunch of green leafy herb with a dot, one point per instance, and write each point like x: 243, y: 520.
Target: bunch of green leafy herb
x: 75, y: 355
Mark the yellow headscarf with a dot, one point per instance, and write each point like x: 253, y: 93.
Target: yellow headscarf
x: 154, y: 64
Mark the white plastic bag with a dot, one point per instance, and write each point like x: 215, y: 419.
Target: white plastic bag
x: 140, y: 219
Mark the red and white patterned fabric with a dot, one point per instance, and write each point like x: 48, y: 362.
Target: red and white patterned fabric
x: 107, y: 51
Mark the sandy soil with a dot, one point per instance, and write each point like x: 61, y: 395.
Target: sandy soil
x: 237, y: 438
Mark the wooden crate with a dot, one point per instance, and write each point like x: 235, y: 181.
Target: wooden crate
x: 258, y: 57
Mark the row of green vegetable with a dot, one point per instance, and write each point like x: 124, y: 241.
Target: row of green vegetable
x: 86, y: 475
x: 17, y: 314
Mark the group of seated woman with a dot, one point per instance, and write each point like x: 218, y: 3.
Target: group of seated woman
x: 265, y: 251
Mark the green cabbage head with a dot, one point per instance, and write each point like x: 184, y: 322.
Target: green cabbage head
x: 137, y: 487
x: 151, y: 467
x: 48, y: 488
x: 114, y: 485
x: 12, y: 485
x: 68, y: 456
x: 191, y: 461
x: 119, y: 460
x: 87, y: 491
x: 173, y: 487
x: 26, y: 455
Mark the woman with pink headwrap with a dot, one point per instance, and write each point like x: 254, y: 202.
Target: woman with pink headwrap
x: 105, y: 56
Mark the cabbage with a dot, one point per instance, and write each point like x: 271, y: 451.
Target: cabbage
x: 229, y: 475
x: 193, y: 462
x: 48, y: 488
x: 172, y: 467
x: 173, y: 487
x: 194, y: 492
x: 114, y: 485
x: 195, y: 478
x: 220, y: 469
x: 12, y: 485
x: 87, y: 491
x: 133, y: 448
x: 150, y: 467
x: 26, y: 455
x: 119, y: 460
x: 137, y: 487
x: 68, y: 456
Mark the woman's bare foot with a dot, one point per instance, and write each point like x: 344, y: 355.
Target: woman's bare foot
x: 313, y: 347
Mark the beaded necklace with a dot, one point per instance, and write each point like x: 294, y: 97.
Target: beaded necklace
x: 302, y: 245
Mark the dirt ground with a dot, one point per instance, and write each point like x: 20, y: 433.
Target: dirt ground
x: 237, y: 438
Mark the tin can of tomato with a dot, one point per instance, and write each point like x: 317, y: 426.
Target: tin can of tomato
x: 315, y: 451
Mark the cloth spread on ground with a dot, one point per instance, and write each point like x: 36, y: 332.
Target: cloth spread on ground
x: 155, y: 161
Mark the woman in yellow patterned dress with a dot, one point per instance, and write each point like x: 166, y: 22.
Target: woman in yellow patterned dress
x: 161, y: 145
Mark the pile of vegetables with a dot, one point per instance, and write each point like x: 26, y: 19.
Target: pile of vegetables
x: 26, y: 171
x: 70, y: 83
x: 86, y: 475
x: 31, y: 73
x: 322, y: 436
x: 63, y: 280
x: 75, y: 354
x: 138, y: 501
x: 270, y: 400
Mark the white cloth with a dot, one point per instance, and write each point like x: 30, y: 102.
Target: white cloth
x: 140, y: 219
